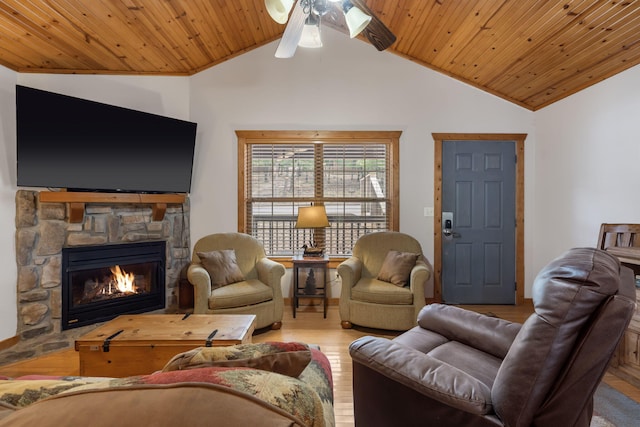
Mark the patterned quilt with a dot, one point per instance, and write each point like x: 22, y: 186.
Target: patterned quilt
x: 309, y: 397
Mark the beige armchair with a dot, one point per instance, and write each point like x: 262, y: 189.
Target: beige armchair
x: 366, y: 300
x: 231, y: 274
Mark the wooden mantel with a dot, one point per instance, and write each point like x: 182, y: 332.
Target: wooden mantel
x: 77, y: 200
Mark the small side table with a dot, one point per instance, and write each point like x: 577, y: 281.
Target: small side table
x: 310, y: 278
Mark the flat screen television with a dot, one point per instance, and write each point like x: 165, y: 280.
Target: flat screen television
x: 82, y: 145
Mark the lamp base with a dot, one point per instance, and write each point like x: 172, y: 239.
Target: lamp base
x: 313, y: 252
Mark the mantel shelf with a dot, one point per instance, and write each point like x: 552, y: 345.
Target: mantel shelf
x: 77, y: 200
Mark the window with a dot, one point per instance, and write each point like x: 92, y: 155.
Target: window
x: 353, y: 174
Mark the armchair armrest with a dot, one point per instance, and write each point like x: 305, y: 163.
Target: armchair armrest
x: 420, y: 273
x: 201, y: 281
x: 489, y: 334
x: 422, y: 373
x: 270, y: 273
x: 350, y: 271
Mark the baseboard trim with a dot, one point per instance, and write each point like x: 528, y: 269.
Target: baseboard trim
x: 336, y: 301
x: 9, y: 342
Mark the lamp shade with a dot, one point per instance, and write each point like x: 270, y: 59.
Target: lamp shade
x: 356, y: 20
x: 279, y: 9
x: 312, y: 217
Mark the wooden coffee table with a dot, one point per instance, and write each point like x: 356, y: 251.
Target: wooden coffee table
x: 137, y: 344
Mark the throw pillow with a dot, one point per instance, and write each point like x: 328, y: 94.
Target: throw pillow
x: 397, y: 267
x: 222, y: 267
x: 283, y: 358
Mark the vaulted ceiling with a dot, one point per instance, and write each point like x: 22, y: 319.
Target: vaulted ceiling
x: 530, y: 52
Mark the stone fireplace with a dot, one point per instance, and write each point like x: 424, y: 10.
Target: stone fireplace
x: 43, y: 230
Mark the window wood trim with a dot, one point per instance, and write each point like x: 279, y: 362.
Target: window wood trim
x: 246, y: 138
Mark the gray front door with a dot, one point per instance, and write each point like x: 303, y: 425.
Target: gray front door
x: 479, y: 221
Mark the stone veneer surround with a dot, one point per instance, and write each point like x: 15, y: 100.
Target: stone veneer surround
x: 42, y: 230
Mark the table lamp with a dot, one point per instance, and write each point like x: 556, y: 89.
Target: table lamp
x: 314, y: 217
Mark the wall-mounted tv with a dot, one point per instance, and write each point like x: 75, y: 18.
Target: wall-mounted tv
x: 81, y: 145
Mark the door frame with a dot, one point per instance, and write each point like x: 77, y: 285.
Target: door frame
x: 438, y: 139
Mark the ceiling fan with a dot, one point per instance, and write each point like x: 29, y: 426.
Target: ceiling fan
x: 303, y: 27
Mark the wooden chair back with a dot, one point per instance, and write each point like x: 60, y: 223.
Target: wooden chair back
x: 619, y: 235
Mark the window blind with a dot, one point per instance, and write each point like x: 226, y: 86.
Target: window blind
x: 350, y: 178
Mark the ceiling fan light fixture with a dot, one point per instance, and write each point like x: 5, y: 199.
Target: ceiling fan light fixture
x: 356, y: 19
x: 279, y: 9
x: 311, y: 32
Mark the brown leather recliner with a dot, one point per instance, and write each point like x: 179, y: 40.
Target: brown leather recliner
x: 461, y: 368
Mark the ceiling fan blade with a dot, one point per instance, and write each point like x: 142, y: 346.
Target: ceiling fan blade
x: 376, y: 32
x: 292, y: 33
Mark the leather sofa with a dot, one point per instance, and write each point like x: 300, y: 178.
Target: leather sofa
x: 461, y: 368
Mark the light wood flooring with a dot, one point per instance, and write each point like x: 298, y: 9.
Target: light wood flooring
x: 310, y: 327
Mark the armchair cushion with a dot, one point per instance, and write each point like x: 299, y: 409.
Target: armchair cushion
x: 240, y: 294
x: 280, y: 357
x: 222, y: 267
x: 397, y: 267
x: 380, y: 292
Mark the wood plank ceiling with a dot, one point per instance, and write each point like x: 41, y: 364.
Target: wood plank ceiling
x: 530, y: 52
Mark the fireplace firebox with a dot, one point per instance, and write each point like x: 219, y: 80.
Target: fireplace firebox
x: 105, y: 281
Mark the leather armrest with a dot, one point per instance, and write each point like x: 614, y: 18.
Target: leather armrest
x: 422, y: 373
x: 489, y: 334
x: 201, y: 281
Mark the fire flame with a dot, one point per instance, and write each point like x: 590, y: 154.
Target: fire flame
x: 122, y: 280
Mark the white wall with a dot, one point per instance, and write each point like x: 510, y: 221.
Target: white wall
x: 346, y: 85
x: 168, y: 96
x: 8, y: 269
x: 588, y: 166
